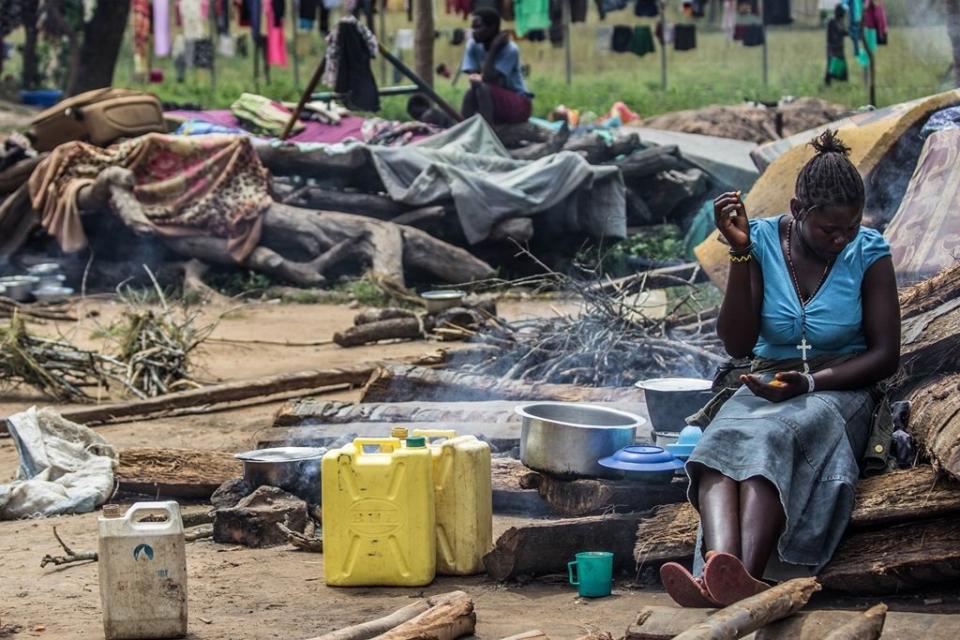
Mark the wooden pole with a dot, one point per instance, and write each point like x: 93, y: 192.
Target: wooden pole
x: 212, y: 15
x: 433, y: 95
x: 381, y: 37
x: 766, y: 60
x: 294, y: 18
x: 871, y: 69
x: 314, y: 81
x: 663, y: 45
x: 423, y: 41
x: 567, y: 57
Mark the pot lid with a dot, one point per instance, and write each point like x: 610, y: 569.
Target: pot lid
x: 675, y: 384
x: 281, y: 454
x: 641, y: 457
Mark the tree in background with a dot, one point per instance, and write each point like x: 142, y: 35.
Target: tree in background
x: 102, y: 37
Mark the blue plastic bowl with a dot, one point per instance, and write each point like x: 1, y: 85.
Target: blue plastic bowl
x: 41, y: 97
x: 643, y: 462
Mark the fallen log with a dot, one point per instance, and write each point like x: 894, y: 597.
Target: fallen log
x: 515, y: 489
x: 174, y: 473
x: 670, y: 533
x: 930, y: 342
x: 896, y: 558
x: 545, y: 547
x: 534, y: 634
x: 666, y: 622
x: 648, y: 162
x: 935, y: 422
x: 930, y: 294
x: 393, y: 329
x: 372, y: 628
x: 218, y: 394
x: 754, y: 612
x: 422, y: 217
x: 575, y: 498
x: 365, y: 204
x: 501, y: 436
x: 290, y: 160
x: 869, y: 626
x: 450, y: 618
x: 406, y: 383
x: 377, y: 315
x: 596, y: 149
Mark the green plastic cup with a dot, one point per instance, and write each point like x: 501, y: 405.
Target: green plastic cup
x: 592, y: 573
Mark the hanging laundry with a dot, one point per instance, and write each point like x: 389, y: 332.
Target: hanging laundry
x: 203, y: 53
x: 578, y: 10
x: 875, y: 23
x: 555, y: 33
x: 193, y: 19
x: 531, y: 14
x: 253, y: 13
x: 332, y: 4
x: 506, y: 10
x: 646, y: 8
x: 602, y: 41
x: 729, y: 20
x: 457, y: 37
x: 739, y: 32
x: 777, y: 12
x: 684, y: 37
x: 609, y: 6
x: 665, y: 33
x: 642, y: 41
x: 161, y: 28
x: 226, y: 45
x: 536, y: 35
x: 753, y: 35
x: 276, y: 41
x: 459, y: 7
x: 600, y: 10
x: 141, y: 36
x: 222, y: 11
x: 622, y: 36
x: 404, y: 40
x: 354, y: 76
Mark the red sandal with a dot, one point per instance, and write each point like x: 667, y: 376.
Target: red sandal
x: 728, y: 581
x: 686, y: 590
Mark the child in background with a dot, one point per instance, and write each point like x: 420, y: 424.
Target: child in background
x: 836, y: 56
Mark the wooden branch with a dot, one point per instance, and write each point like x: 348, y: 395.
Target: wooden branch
x: 290, y: 160
x: 684, y: 274
x: 534, y: 634
x: 373, y: 628
x: 364, y: 204
x: 666, y: 622
x: 869, y: 626
x: 402, y: 383
x: 175, y: 473
x: 395, y: 329
x: 545, y: 547
x: 450, y: 618
x: 574, y: 498
x: 670, y: 532
x: 417, y: 217
x: 219, y: 394
x: 317, y: 411
x: 377, y: 315
x: 930, y: 294
x: 306, y: 540
x: 755, y: 612
x: 70, y: 556
x: 198, y: 533
x: 193, y: 272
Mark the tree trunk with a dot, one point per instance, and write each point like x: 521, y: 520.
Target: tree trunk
x: 175, y: 473
x: 953, y: 30
x: 319, y: 411
x: 423, y: 40
x: 102, y: 38
x: 30, y: 76
x: 935, y: 423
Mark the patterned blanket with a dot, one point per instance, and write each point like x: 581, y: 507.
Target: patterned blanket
x: 211, y: 185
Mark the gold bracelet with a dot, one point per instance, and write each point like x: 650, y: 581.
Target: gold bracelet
x: 743, y: 258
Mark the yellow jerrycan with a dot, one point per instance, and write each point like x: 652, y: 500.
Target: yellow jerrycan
x: 143, y: 571
x: 379, y: 514
x: 464, y: 498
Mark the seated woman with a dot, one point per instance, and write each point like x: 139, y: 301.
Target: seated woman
x: 497, y: 91
x: 812, y: 297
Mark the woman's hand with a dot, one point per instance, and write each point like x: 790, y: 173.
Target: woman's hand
x: 785, y: 385
x: 730, y: 217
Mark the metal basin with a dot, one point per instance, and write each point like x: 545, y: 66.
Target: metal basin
x: 671, y: 400
x: 566, y: 439
x: 18, y: 287
x: 293, y: 469
x: 437, y: 301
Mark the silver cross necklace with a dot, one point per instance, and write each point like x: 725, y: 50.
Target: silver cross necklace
x: 804, y: 346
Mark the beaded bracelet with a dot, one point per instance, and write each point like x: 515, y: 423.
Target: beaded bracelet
x: 742, y: 252
x: 743, y: 258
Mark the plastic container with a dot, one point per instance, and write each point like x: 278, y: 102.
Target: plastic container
x: 41, y: 97
x: 464, y: 501
x: 143, y: 571
x: 379, y: 514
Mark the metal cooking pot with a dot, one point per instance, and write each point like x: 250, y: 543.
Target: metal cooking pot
x: 19, y: 287
x: 567, y: 439
x: 671, y: 400
x: 293, y: 469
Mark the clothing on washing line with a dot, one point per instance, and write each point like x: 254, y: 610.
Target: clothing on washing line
x: 753, y: 36
x: 646, y: 8
x: 458, y: 37
x: 739, y: 32
x: 642, y: 41
x: 622, y: 36
x: 684, y: 37
x: 222, y: 12
x: 531, y: 14
x: 609, y: 6
x: 276, y: 41
x: 193, y: 19
x: 506, y: 10
x: 350, y: 48
x: 578, y: 10
x: 536, y: 35
x: 555, y: 34
x: 665, y: 34
x: 253, y: 10
x: 161, y: 28
x: 602, y: 42
x: 203, y: 53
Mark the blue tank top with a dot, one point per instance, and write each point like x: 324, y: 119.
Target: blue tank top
x: 834, y: 315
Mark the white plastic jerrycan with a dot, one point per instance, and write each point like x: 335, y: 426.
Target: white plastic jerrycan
x: 143, y: 571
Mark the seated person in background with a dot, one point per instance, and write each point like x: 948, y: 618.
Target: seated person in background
x: 497, y: 91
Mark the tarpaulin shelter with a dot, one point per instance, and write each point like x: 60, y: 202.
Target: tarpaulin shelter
x: 885, y: 146
x: 924, y: 235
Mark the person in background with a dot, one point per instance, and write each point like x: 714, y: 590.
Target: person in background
x: 420, y: 109
x: 492, y: 61
x: 836, y: 55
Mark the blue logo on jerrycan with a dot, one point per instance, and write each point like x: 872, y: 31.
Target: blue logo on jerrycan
x: 143, y: 552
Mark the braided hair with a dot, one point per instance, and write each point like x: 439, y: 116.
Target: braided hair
x: 829, y: 179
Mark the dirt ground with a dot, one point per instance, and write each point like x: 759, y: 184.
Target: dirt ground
x: 241, y: 593
x: 258, y: 593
